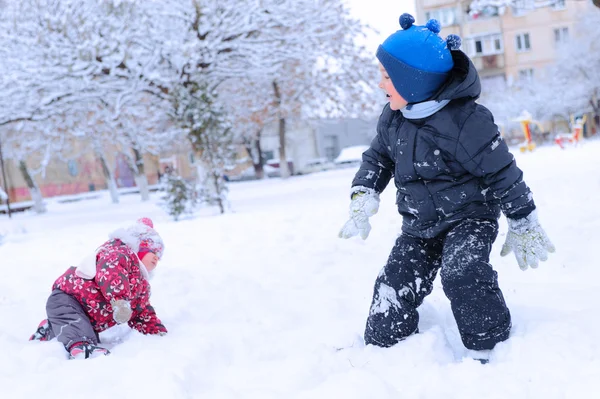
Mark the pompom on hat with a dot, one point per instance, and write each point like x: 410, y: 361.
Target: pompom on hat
x: 417, y: 60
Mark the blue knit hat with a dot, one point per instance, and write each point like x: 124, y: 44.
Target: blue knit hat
x: 417, y: 60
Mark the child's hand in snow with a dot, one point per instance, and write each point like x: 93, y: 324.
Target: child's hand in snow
x: 121, y: 310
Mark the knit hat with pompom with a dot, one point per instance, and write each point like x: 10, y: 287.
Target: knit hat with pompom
x: 417, y: 60
x: 141, y: 238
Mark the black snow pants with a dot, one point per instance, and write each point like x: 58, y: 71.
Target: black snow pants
x: 68, y: 322
x: 469, y: 281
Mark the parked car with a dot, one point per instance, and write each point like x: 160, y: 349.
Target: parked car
x: 272, y: 168
x: 316, y: 165
x: 350, y: 156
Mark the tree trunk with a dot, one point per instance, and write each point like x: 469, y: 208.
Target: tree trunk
x: 36, y: 194
x: 216, y: 177
x: 259, y: 165
x: 5, y: 182
x: 219, y: 187
x: 210, y: 173
x: 255, y: 152
x: 284, y: 171
x: 110, y: 178
x: 139, y: 173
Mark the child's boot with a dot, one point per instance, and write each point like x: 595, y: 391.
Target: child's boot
x: 482, y: 356
x: 42, y: 332
x: 85, y: 350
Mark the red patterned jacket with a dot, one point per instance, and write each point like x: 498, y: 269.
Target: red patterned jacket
x: 118, y: 276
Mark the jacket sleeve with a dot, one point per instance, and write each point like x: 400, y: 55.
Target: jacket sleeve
x: 112, y: 274
x: 377, y: 167
x: 147, y: 322
x: 482, y: 152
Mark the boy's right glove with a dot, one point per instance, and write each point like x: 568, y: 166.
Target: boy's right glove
x: 364, y: 204
x: 121, y: 310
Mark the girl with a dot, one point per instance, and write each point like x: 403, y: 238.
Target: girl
x: 107, y: 288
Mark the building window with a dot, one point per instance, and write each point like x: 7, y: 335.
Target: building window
x: 561, y: 35
x: 484, y: 45
x: 446, y: 16
x: 478, y: 47
x: 526, y: 75
x: 523, y: 42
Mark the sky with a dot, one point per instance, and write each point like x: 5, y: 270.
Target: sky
x: 267, y: 302
x: 382, y: 15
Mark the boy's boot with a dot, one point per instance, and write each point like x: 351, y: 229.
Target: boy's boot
x: 482, y: 356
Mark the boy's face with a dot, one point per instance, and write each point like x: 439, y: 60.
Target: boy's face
x: 395, y: 99
x: 150, y: 260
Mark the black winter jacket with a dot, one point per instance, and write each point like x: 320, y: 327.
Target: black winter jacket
x: 448, y: 166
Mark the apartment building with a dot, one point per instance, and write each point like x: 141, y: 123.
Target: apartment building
x: 507, y: 44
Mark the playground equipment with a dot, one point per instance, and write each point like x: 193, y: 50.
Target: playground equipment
x: 526, y: 120
x: 576, y: 134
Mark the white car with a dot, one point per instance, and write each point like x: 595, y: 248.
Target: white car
x: 351, y: 156
x: 316, y: 165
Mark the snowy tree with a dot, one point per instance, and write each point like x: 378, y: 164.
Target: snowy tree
x: 69, y: 60
x: 31, y: 147
x: 249, y: 125
x: 85, y: 55
x: 178, y: 196
x: 143, y: 127
x: 90, y: 125
x: 315, y: 67
x: 301, y: 56
x: 576, y: 74
x: 209, y: 131
x: 204, y: 45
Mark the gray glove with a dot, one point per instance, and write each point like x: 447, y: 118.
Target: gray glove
x: 364, y: 204
x: 121, y: 310
x: 528, y: 241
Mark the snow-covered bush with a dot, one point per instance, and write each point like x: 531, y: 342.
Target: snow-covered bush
x: 178, y: 197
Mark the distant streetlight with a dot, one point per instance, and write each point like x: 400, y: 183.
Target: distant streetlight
x: 4, y: 179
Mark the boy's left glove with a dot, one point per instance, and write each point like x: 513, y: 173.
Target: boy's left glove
x: 121, y: 310
x: 364, y: 204
x: 528, y: 241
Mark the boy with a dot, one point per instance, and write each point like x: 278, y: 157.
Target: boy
x: 109, y: 287
x: 453, y: 174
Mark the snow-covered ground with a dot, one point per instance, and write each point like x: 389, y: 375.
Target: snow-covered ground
x: 258, y: 301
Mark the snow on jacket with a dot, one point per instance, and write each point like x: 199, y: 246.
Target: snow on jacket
x: 447, y: 166
x: 119, y: 275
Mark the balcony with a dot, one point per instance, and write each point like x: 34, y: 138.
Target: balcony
x: 489, y: 64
